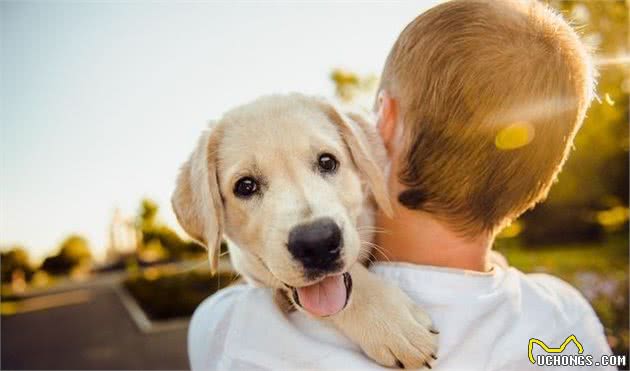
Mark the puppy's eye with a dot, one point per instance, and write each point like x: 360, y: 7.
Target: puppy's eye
x: 327, y: 163
x: 245, y: 187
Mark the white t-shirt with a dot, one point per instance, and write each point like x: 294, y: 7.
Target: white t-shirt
x: 485, y: 321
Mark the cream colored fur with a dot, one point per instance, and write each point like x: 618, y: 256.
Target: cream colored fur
x: 278, y: 139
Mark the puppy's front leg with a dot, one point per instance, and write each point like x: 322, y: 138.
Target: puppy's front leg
x: 386, y: 324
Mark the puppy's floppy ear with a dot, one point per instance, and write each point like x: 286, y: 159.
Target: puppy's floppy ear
x: 366, y: 149
x: 197, y: 201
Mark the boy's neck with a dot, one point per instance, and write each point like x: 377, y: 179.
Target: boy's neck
x: 417, y: 237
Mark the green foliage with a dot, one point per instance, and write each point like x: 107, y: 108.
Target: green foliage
x: 148, y: 213
x: 74, y: 252
x: 175, y: 247
x: 16, y: 258
x: 57, y: 265
x: 351, y: 87
x: 157, y: 236
x: 76, y: 248
x: 551, y: 224
x: 163, y: 295
x: 595, y: 178
x: 596, y: 174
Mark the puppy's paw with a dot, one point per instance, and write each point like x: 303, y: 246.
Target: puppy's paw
x: 388, y: 326
x: 400, y: 335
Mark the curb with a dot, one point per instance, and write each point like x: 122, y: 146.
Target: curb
x: 142, y: 321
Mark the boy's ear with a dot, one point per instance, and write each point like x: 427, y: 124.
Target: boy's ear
x: 386, y: 118
x: 366, y: 150
x: 197, y: 201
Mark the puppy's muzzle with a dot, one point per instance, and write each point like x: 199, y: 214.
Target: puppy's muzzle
x: 317, y: 245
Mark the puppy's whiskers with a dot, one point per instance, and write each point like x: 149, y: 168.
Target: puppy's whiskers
x: 373, y: 232
x: 376, y: 247
x: 367, y: 254
x: 371, y: 229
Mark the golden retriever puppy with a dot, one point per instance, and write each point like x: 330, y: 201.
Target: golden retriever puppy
x: 291, y: 182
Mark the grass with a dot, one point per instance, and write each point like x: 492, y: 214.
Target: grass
x: 565, y: 260
x: 166, y: 295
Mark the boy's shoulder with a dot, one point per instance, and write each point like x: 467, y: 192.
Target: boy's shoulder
x: 555, y: 296
x: 540, y: 289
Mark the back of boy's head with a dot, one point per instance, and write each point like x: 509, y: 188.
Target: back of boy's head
x: 490, y: 95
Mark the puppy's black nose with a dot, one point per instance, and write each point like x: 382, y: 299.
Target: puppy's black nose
x: 316, y: 245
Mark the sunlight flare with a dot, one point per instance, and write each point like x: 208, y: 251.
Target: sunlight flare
x: 513, y: 136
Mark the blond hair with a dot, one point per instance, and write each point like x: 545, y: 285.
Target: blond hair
x: 490, y: 95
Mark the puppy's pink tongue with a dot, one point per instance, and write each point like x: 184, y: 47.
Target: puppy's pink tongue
x: 324, y: 298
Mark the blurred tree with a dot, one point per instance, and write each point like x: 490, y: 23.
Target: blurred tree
x: 597, y: 171
x: 353, y: 88
x: 74, y: 252
x: 14, y: 259
x: 595, y: 178
x: 76, y: 248
x: 148, y: 213
x: 158, y: 240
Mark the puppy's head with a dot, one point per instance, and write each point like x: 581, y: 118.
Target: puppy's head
x: 285, y: 178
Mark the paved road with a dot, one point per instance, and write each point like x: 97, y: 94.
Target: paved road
x: 97, y: 334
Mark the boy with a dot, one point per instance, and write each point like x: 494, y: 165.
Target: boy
x: 478, y: 107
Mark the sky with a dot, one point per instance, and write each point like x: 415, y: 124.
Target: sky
x: 100, y: 102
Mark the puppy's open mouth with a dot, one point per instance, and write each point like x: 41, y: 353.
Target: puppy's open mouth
x: 326, y: 297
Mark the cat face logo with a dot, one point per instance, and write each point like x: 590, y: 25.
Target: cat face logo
x: 547, y: 349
